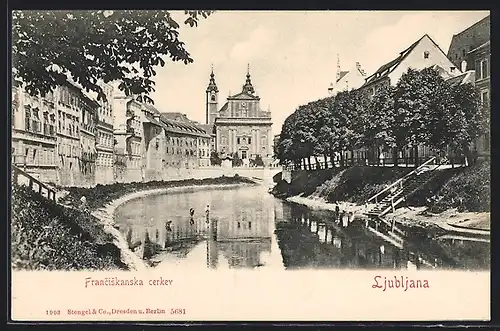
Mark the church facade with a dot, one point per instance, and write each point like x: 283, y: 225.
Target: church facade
x: 240, y: 125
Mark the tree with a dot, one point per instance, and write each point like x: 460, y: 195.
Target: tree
x: 465, y: 118
x: 94, y: 46
x: 237, y: 161
x: 347, y: 112
x: 258, y: 162
x: 215, y: 159
x: 378, y: 125
x: 416, y: 100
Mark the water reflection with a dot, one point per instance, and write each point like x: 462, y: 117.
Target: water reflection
x: 238, y: 233
x: 249, y: 228
x: 311, y: 239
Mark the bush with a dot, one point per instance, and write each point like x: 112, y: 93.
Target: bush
x: 469, y: 190
x: 47, y: 236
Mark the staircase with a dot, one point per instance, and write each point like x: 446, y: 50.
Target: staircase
x: 389, y: 198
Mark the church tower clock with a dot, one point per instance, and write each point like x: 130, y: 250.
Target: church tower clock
x: 212, y: 100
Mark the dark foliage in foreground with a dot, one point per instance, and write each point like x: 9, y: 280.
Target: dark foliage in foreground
x: 47, y: 236
x: 100, y: 195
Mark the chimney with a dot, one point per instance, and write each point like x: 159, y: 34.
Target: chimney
x: 464, y: 66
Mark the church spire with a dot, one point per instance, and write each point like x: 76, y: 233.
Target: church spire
x: 248, y: 87
x: 212, y: 86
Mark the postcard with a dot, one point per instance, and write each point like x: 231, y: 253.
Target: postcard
x: 250, y: 166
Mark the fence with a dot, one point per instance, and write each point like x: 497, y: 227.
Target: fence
x: 22, y: 178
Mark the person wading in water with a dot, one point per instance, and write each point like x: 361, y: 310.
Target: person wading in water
x: 207, y: 213
x: 191, y: 213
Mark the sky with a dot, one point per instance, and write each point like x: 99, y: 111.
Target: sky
x: 292, y: 54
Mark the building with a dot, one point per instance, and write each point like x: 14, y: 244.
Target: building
x: 240, y: 125
x: 152, y: 146
x: 423, y: 53
x: 105, y: 138
x: 203, y: 138
x: 471, y: 50
x: 348, y: 79
x: 34, y: 137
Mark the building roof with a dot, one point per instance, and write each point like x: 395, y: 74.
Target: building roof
x: 172, y: 125
x: 341, y: 75
x: 243, y: 96
x: 208, y: 128
x: 224, y: 108
x: 474, y: 36
x: 390, y: 66
x: 479, y: 47
x: 464, y: 78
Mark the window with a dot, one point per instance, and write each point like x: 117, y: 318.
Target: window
x: 485, y: 70
x: 426, y: 54
x: 238, y: 140
x: 249, y: 140
x: 484, y: 98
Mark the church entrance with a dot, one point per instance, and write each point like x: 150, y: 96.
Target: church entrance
x: 243, y: 155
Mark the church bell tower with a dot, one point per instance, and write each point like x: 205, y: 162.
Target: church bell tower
x: 212, y: 100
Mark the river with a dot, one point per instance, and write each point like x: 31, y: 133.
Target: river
x: 249, y: 228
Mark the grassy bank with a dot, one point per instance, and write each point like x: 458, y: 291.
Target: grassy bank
x: 48, y: 236
x: 467, y: 189
x: 100, y: 195
x: 354, y: 184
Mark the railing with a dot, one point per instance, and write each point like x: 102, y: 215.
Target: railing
x: 399, y: 183
x: 51, y: 193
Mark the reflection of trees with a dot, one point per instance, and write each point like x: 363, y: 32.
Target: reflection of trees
x: 312, y: 240
x: 329, y: 245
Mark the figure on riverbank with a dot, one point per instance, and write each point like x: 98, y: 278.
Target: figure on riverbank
x: 207, y: 213
x: 344, y: 219
x: 191, y: 213
x: 337, y: 213
x: 83, y: 203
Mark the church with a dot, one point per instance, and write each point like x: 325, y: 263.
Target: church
x: 240, y: 125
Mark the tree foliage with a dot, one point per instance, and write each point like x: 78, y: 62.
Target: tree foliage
x: 421, y: 109
x: 94, y: 46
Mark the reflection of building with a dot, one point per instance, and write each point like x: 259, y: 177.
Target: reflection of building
x: 470, y: 50
x: 246, y: 223
x: 241, y: 126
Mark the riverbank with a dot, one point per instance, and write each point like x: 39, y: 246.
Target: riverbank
x: 50, y: 236
x: 450, y: 221
x: 454, y: 200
